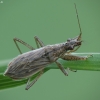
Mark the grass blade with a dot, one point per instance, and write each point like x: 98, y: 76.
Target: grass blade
x: 92, y: 64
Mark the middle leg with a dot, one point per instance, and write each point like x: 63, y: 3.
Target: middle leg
x: 38, y: 42
x: 62, y: 68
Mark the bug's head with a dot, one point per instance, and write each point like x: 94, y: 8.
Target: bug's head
x: 72, y: 43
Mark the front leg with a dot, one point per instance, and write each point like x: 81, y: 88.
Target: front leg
x: 70, y: 57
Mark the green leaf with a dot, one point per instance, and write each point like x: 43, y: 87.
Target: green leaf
x: 92, y: 64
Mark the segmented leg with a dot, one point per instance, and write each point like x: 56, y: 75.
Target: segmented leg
x: 38, y: 42
x: 74, y: 58
x: 69, y: 57
x: 29, y: 84
x: 22, y: 42
x: 62, y: 68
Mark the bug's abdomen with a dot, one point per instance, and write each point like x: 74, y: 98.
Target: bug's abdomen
x: 26, y: 65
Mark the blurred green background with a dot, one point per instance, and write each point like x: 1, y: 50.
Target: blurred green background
x: 53, y: 21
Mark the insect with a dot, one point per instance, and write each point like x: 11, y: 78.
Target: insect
x: 27, y: 64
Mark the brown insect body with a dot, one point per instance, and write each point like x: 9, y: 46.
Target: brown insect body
x: 29, y: 63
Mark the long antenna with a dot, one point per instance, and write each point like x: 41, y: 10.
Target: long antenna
x: 78, y: 21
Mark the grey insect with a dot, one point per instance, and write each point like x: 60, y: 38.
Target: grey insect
x: 27, y: 64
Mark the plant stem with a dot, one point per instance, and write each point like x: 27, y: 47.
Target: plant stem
x: 92, y: 64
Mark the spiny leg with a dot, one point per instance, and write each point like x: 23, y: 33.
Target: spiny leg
x: 62, y: 68
x: 29, y: 84
x: 38, y: 42
x: 22, y: 42
x: 69, y: 57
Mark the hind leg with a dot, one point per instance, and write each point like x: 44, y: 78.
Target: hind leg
x: 29, y: 84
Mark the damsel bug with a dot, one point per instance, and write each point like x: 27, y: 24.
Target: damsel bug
x: 27, y: 64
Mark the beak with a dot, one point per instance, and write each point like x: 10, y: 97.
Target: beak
x: 79, y: 42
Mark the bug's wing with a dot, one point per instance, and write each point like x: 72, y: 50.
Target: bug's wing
x: 27, y: 64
